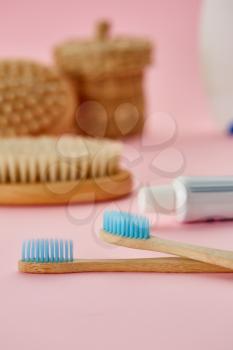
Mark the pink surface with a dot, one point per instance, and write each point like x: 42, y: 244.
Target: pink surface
x: 121, y: 311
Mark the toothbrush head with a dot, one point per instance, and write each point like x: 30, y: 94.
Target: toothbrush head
x: 46, y: 251
x: 126, y: 225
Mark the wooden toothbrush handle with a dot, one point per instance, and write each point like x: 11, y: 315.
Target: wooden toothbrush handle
x: 160, y: 265
x: 208, y: 255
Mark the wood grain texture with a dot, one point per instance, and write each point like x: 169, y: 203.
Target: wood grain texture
x: 160, y: 265
x: 91, y: 190
x: 208, y: 255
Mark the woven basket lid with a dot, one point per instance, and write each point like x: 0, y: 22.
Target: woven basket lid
x: 103, y: 54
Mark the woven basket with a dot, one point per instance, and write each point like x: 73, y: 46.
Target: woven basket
x: 108, y: 76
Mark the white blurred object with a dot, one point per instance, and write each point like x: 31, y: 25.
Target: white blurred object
x: 191, y: 198
x: 216, y: 44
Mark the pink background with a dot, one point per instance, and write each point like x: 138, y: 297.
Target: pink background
x: 120, y: 311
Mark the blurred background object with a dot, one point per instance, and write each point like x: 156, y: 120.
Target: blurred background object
x: 34, y: 99
x: 108, y: 74
x: 216, y: 44
x: 61, y: 170
x: 174, y: 84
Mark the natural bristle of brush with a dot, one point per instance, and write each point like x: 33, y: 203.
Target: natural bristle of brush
x: 47, y: 250
x: 126, y: 225
x: 50, y: 159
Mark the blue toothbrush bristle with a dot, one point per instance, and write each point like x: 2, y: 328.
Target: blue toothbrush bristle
x: 126, y: 225
x: 44, y: 250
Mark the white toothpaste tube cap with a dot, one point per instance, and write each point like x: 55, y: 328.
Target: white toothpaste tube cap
x: 160, y: 199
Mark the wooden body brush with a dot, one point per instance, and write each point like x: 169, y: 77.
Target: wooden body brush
x: 34, y: 99
x: 49, y: 170
x: 53, y: 257
x: 133, y: 231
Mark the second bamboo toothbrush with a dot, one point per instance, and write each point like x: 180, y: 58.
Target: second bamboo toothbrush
x: 133, y: 231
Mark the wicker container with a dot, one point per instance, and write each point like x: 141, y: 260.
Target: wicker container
x: 108, y: 75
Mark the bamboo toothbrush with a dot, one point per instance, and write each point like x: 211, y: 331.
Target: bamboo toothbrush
x: 133, y: 231
x: 71, y: 169
x: 56, y: 256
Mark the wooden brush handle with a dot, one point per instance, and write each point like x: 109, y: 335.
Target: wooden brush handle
x: 208, y: 255
x: 67, y: 192
x: 172, y: 265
